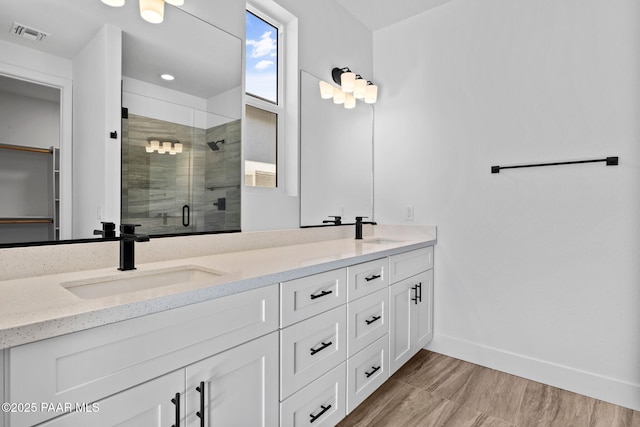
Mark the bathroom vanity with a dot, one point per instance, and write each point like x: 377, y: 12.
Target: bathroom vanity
x: 290, y: 335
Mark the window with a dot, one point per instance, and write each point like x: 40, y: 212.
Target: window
x: 264, y: 112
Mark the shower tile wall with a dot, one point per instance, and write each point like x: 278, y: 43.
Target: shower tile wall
x: 155, y: 187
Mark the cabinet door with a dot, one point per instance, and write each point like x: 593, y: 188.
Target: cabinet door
x: 236, y: 388
x: 400, y: 315
x: 149, y: 404
x: 423, y: 311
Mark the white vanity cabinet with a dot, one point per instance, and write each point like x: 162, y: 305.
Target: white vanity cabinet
x: 92, y: 364
x: 240, y: 388
x: 411, y: 305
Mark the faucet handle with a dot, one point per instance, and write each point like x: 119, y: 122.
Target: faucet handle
x: 360, y: 218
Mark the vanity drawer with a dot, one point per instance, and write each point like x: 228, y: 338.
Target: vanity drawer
x: 89, y: 365
x: 320, y: 404
x: 367, y: 320
x: 366, y: 371
x: 363, y: 279
x: 409, y: 264
x: 311, y: 348
x: 308, y: 296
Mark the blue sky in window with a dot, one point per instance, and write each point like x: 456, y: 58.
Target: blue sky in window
x: 261, y: 58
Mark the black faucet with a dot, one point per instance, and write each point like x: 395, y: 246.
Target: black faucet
x: 127, y: 249
x: 336, y: 221
x: 108, y: 230
x: 359, y: 223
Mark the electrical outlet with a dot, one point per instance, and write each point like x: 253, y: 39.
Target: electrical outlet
x: 408, y: 213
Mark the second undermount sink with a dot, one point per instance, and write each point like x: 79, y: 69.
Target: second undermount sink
x: 381, y: 241
x: 138, y: 280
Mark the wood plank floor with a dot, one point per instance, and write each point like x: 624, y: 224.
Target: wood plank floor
x: 434, y: 390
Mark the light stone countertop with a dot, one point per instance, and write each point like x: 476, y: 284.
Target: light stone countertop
x: 39, y: 307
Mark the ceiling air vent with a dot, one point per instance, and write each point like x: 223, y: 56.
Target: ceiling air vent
x: 28, y: 32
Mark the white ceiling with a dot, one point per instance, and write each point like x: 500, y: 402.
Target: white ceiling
x: 376, y: 14
x: 148, y: 49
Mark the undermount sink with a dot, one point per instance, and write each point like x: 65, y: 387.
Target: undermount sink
x: 381, y: 241
x: 137, y: 281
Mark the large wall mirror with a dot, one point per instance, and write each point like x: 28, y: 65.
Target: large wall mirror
x: 174, y: 165
x: 336, y: 157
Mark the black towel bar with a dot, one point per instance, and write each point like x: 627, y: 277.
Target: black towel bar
x: 611, y: 161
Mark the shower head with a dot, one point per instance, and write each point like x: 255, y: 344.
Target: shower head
x: 214, y: 144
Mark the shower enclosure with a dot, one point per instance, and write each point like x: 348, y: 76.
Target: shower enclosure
x: 188, y: 187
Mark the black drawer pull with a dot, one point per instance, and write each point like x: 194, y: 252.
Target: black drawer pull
x: 373, y: 319
x: 373, y: 277
x: 321, y: 294
x: 415, y: 298
x: 324, y: 345
x: 176, y: 401
x: 200, y: 414
x: 375, y: 369
x: 321, y: 413
x: 420, y: 292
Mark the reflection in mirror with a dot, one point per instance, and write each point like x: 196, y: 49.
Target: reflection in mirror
x: 336, y: 157
x: 29, y: 163
x: 87, y: 42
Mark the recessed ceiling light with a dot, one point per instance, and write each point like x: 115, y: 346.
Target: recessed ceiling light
x: 167, y: 77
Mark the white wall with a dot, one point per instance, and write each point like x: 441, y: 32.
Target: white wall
x: 97, y: 72
x: 18, y: 113
x: 536, y: 269
x: 328, y: 37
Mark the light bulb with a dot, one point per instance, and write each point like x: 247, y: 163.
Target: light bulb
x: 338, y: 96
x: 349, y: 101
x: 152, y: 10
x: 347, y: 81
x: 360, y: 88
x: 149, y: 149
x: 326, y: 90
x: 371, y: 95
x: 178, y: 147
x: 114, y: 3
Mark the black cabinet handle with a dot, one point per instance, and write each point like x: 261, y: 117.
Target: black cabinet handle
x: 373, y: 277
x: 375, y: 369
x: 373, y: 319
x: 186, y: 213
x: 321, y: 413
x: 176, y: 401
x: 419, y: 292
x: 324, y: 345
x: 415, y: 298
x: 200, y: 414
x: 321, y: 294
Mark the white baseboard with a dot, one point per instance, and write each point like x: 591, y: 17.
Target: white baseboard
x: 565, y: 377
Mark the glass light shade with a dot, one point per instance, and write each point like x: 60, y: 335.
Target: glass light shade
x: 172, y: 152
x: 175, y: 2
x: 114, y: 3
x: 149, y: 149
x: 326, y: 90
x: 360, y: 88
x: 161, y: 150
x: 154, y: 144
x: 166, y: 146
x: 338, y: 96
x: 348, y: 81
x: 349, y: 101
x: 371, y: 95
x: 178, y: 147
x: 152, y: 10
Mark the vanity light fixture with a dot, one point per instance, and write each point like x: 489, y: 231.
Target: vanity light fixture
x: 352, y: 86
x: 150, y: 10
x: 172, y: 148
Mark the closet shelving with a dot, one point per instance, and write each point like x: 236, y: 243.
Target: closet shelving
x: 29, y: 193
